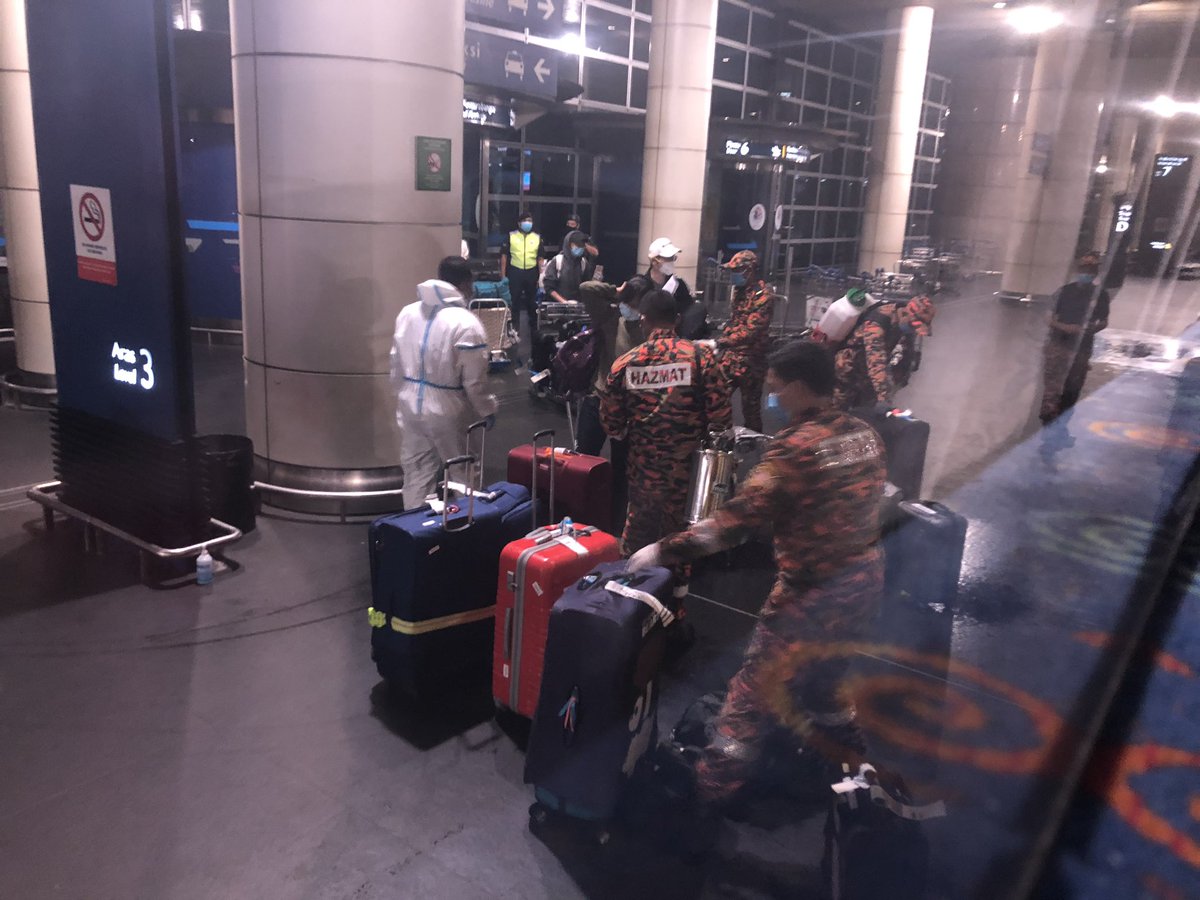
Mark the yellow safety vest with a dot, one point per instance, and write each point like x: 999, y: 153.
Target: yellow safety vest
x: 523, y: 249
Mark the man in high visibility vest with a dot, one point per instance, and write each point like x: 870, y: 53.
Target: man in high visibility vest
x: 519, y: 260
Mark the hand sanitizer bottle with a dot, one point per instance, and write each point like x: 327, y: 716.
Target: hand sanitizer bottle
x: 204, y: 567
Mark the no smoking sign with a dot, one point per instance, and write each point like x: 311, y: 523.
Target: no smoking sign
x: 95, y: 242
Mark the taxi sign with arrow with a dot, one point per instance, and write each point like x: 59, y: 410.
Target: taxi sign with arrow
x: 541, y: 17
x: 512, y: 66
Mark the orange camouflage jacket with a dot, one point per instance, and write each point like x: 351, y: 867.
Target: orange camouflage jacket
x: 662, y: 395
x: 817, y: 491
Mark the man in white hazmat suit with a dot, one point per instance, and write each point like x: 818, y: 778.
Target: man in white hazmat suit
x: 439, y: 369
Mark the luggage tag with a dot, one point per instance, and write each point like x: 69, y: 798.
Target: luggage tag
x: 660, y: 612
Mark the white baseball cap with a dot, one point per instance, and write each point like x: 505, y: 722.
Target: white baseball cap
x: 663, y: 247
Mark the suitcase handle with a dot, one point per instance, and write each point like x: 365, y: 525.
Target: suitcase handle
x: 508, y: 617
x: 549, y: 432
x: 467, y: 461
x: 481, y: 427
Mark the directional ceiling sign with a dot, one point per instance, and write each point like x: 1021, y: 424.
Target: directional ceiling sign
x: 511, y: 66
x: 541, y: 17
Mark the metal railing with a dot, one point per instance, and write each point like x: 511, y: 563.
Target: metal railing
x: 46, y: 495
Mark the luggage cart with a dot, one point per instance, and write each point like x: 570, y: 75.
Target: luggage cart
x: 496, y: 319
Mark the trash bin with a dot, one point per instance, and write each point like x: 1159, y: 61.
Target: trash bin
x: 227, y: 466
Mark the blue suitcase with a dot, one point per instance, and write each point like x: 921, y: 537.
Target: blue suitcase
x: 433, y: 587
x: 597, y: 711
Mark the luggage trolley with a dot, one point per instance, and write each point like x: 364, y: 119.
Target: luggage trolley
x: 496, y: 319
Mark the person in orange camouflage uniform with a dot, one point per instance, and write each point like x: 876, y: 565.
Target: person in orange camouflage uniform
x: 863, y: 362
x: 818, y: 490
x: 662, y: 396
x: 745, y: 342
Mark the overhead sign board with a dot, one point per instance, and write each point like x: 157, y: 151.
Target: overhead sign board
x: 541, y: 17
x: 479, y: 112
x: 510, y: 66
x: 736, y: 149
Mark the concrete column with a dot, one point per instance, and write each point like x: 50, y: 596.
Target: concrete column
x: 22, y: 204
x: 328, y: 103
x: 682, y: 40
x: 983, y: 142
x: 894, y: 141
x: 1057, y: 158
x: 1117, y: 179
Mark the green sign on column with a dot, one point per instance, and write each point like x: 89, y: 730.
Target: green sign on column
x: 433, y: 164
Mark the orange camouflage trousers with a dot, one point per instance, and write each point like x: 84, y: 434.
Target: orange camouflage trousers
x: 792, y: 678
x: 657, y: 508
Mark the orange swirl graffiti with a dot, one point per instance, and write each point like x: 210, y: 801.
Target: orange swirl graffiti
x: 924, y: 700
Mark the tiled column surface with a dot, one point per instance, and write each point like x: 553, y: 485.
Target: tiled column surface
x: 22, y: 202
x: 1057, y: 158
x: 901, y: 93
x: 682, y: 40
x: 335, y: 237
x: 983, y: 142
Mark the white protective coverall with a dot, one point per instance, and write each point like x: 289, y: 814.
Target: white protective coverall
x: 439, y: 369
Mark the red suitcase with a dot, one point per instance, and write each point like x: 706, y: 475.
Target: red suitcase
x: 584, y: 482
x: 534, y: 573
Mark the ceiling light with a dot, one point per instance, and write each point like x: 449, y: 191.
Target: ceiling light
x: 1101, y: 169
x: 999, y: 5
x: 1164, y: 107
x: 1035, y: 19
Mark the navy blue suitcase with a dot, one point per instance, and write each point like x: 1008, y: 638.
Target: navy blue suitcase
x: 924, y: 555
x: 433, y: 588
x: 597, y: 711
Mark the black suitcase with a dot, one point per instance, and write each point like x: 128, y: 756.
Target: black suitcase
x: 924, y: 555
x: 597, y: 711
x: 874, y: 843
x: 545, y: 348
x: 906, y: 440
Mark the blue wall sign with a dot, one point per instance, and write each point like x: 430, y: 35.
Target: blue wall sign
x: 104, y: 118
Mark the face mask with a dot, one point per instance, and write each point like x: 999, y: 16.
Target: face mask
x: 527, y: 227
x: 577, y: 252
x: 1084, y: 278
x: 739, y: 279
x: 628, y: 313
x: 774, y: 416
x: 907, y: 328
x: 667, y: 267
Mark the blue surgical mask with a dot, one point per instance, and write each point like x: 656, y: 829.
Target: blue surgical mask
x: 527, y: 227
x: 775, y: 418
x: 907, y: 328
x: 577, y: 252
x: 628, y: 313
x: 1085, y: 278
x: 739, y: 279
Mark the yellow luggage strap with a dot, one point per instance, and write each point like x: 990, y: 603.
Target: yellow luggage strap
x: 379, y: 620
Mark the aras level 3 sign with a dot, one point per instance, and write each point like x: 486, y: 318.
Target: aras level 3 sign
x: 95, y: 243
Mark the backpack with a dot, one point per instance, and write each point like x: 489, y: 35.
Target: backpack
x: 575, y: 364
x: 557, y: 262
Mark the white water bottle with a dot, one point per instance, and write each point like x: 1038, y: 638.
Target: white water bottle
x: 568, y: 527
x: 204, y: 567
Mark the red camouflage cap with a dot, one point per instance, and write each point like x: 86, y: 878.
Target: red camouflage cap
x: 922, y: 311
x: 743, y: 259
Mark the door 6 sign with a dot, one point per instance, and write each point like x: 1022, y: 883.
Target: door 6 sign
x: 95, y: 245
